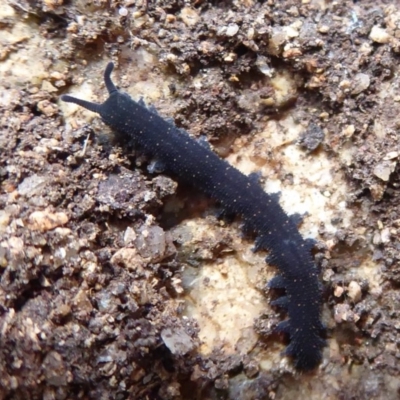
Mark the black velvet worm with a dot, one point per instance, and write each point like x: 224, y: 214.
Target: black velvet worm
x: 196, y: 165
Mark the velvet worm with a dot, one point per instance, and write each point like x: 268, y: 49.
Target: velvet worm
x: 190, y: 162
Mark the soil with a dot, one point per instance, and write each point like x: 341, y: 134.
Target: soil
x: 117, y: 282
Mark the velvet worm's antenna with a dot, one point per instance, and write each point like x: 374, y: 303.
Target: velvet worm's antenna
x: 83, y: 103
x: 107, y: 78
x: 87, y: 104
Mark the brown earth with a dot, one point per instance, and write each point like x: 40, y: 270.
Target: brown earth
x: 98, y: 257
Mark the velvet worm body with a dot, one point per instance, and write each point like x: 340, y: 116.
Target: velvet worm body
x: 191, y: 163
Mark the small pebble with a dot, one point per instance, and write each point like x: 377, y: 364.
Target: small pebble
x: 44, y: 220
x: 189, y: 16
x: 232, y: 30
x: 361, y: 83
x: 123, y: 12
x: 177, y: 340
x: 383, y: 170
x: 379, y: 35
x: 354, y: 291
x: 323, y: 29
x: 338, y: 291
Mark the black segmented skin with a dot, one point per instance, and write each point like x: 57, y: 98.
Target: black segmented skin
x: 194, y: 164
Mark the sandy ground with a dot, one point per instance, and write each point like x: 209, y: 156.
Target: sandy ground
x: 117, y: 283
